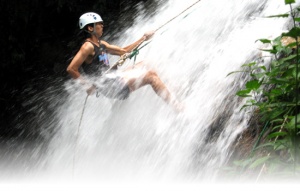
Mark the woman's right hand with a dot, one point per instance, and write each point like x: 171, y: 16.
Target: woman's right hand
x: 91, y: 90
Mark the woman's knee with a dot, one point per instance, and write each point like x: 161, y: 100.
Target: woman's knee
x: 151, y: 74
x: 152, y: 78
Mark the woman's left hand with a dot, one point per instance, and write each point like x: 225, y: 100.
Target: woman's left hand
x: 148, y: 35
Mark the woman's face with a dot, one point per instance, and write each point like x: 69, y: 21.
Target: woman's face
x: 99, y: 28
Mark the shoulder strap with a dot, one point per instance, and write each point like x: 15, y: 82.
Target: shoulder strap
x: 91, y: 42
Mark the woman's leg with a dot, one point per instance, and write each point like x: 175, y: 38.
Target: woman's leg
x: 138, y: 76
x: 150, y: 78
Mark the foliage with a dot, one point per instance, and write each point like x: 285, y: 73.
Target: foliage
x: 273, y: 90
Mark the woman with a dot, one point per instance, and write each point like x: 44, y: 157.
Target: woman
x: 92, y: 58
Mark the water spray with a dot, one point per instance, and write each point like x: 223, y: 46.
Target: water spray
x: 136, y: 49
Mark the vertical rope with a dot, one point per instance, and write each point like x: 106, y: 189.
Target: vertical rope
x: 77, y: 135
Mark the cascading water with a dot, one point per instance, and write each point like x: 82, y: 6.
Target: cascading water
x: 144, y: 139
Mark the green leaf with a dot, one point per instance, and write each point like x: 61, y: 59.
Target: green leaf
x: 263, y: 68
x: 279, y: 80
x: 249, y: 64
x: 277, y: 127
x: 280, y: 147
x: 258, y: 75
x: 264, y: 41
x: 294, y: 32
x: 294, y: 73
x: 276, y: 134
x: 289, y: 58
x: 233, y: 73
x: 251, y: 101
x: 276, y: 92
x: 276, y: 112
x: 289, y: 1
x: 265, y: 145
x: 293, y: 121
x: 253, y: 85
x: 297, y: 19
x: 259, y: 161
x: 243, y: 93
x: 281, y: 15
x: 276, y: 121
x: 286, y: 142
x: 269, y: 50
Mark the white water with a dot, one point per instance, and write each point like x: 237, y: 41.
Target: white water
x: 142, y: 138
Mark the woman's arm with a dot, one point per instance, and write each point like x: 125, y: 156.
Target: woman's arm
x: 85, y: 50
x: 115, y: 50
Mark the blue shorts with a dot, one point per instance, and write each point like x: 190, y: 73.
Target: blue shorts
x: 113, y: 87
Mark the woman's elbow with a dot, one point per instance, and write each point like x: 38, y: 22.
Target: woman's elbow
x: 72, y: 72
x: 69, y: 70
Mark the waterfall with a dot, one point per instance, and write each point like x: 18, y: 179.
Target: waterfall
x: 144, y: 139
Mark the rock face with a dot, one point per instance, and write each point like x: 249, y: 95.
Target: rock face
x: 286, y: 40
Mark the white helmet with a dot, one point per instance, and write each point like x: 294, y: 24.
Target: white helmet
x: 88, y: 18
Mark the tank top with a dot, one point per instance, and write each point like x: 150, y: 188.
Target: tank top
x: 100, y: 62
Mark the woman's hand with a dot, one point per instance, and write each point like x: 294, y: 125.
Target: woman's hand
x: 91, y: 90
x: 148, y: 35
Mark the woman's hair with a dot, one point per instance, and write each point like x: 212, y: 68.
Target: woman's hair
x: 76, y: 42
x: 85, y: 29
x: 88, y: 25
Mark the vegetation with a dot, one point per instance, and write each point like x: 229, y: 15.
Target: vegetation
x: 273, y: 91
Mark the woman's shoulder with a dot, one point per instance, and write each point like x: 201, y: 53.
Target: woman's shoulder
x: 87, y: 46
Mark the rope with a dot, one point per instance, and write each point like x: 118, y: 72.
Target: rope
x: 123, y: 58
x: 77, y: 134
x: 177, y: 15
x: 136, y: 50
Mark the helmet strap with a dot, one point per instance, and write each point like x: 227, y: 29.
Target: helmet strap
x: 94, y: 32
